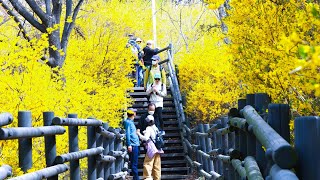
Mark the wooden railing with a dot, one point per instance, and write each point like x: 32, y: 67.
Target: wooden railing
x: 107, y: 158
x: 253, y: 143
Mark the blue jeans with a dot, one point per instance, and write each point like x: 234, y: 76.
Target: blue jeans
x: 134, y: 155
x: 139, y: 76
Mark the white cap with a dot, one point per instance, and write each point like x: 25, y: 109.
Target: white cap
x: 149, y: 118
x: 138, y: 39
x: 150, y: 42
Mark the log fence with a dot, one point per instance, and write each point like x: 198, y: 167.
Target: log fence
x: 106, y: 155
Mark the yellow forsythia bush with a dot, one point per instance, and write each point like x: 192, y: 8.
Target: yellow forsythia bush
x: 275, y: 49
x: 93, y: 81
x: 207, y: 78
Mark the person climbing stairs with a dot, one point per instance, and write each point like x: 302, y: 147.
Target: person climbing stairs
x: 173, y: 163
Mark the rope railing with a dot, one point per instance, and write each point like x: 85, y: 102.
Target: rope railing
x: 107, y: 157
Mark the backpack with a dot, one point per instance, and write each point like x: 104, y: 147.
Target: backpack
x: 159, y: 141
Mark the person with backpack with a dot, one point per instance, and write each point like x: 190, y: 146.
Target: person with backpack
x: 157, y: 91
x: 152, y: 70
x: 152, y: 160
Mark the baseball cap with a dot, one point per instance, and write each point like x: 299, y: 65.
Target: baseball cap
x: 138, y: 40
x: 157, y: 76
x: 131, y: 111
x: 155, y: 57
x: 149, y: 118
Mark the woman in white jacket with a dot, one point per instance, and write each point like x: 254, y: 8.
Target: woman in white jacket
x: 152, y: 160
x: 157, y: 91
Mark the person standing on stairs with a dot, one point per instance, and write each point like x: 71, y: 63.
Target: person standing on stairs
x: 148, y: 53
x: 152, y: 70
x: 157, y: 91
x: 132, y: 142
x: 152, y: 160
x: 142, y: 123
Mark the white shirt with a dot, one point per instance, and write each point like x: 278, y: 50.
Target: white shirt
x: 157, y: 99
x: 149, y: 132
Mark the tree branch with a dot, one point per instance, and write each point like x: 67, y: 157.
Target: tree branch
x: 199, y: 18
x: 28, y: 16
x: 67, y: 33
x: 179, y: 30
x: 16, y: 19
x: 56, y: 10
x: 34, y: 6
x: 48, y: 7
x: 66, y: 23
x: 4, y: 21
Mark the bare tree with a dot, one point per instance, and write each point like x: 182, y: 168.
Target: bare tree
x: 45, y: 21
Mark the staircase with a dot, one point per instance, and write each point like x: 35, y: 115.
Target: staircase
x: 173, y: 163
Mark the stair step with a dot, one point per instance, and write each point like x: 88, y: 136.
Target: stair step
x: 144, y: 99
x: 170, y: 169
x: 167, y: 135
x: 141, y: 94
x: 172, y: 141
x: 145, y: 105
x: 166, y: 155
x: 173, y: 176
x: 171, y: 129
x: 168, y: 148
x: 170, y: 122
x: 164, y: 111
x: 139, y: 89
x: 169, y: 162
x: 163, y: 117
x: 164, y: 123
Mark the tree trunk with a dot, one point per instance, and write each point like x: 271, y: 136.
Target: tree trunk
x: 42, y: 20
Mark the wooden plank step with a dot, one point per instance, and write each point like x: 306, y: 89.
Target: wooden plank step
x: 146, y: 105
x: 174, y: 176
x: 167, y: 135
x: 171, y: 129
x: 163, y: 177
x: 168, y: 148
x: 172, y: 141
x: 140, y: 99
x: 164, y: 123
x: 169, y: 162
x: 172, y: 122
x: 144, y: 99
x: 142, y: 88
x: 166, y: 155
x: 163, y: 117
x: 164, y: 111
x: 174, y: 169
x: 141, y: 94
x: 138, y: 94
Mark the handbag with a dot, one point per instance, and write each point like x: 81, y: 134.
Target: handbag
x: 151, y: 149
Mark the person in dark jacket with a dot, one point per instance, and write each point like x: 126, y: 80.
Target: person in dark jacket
x: 142, y: 124
x: 148, y: 53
